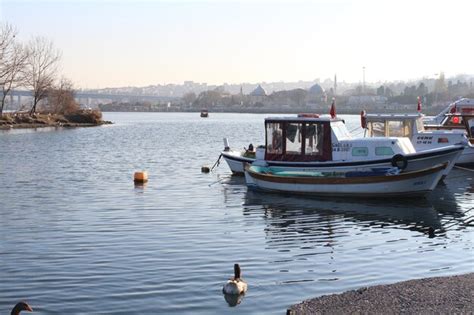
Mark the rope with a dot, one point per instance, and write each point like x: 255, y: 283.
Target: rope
x: 217, y: 162
x: 464, y: 168
x: 218, y: 181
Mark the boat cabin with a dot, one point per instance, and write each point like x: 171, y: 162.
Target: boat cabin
x: 412, y: 127
x: 308, y: 138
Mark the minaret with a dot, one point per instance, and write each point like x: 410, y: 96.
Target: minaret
x: 335, y: 84
x: 241, y: 96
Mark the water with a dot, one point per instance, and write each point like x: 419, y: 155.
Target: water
x: 78, y: 237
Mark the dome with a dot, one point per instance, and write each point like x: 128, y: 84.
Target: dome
x: 316, y: 90
x: 259, y: 91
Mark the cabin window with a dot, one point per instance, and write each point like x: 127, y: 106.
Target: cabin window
x: 383, y: 151
x: 293, y: 138
x: 377, y: 129
x: 274, y: 138
x: 399, y: 128
x: 420, y: 127
x: 314, y: 139
x: 360, y: 151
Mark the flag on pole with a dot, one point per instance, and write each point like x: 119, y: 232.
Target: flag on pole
x: 418, y: 108
x: 332, y: 112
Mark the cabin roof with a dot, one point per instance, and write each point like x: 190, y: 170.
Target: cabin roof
x: 376, y: 117
x: 303, y: 119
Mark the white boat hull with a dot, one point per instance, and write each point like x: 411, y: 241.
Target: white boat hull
x: 405, y: 184
x: 415, y: 161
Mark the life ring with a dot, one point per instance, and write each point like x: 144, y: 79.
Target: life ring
x: 400, y: 161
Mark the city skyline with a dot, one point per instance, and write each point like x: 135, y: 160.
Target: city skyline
x: 107, y: 44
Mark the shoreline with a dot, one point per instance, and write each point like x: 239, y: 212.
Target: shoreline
x: 64, y: 125
x: 438, y: 295
x: 15, y: 120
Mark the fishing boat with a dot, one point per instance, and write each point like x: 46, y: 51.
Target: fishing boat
x: 462, y: 106
x: 422, y: 138
x: 204, y: 113
x: 457, y: 121
x: 378, y: 182
x: 310, y: 141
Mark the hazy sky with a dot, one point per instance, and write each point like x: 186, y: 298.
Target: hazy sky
x: 138, y: 43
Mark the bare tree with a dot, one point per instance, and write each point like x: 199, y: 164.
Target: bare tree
x: 12, y: 62
x: 41, y: 67
x: 61, y: 98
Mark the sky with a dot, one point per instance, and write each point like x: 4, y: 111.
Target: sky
x: 139, y: 43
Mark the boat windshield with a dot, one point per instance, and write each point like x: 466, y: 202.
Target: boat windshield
x: 298, y: 141
x: 420, y: 126
x: 340, y: 130
x: 392, y: 128
x: 399, y: 128
x: 313, y: 139
x: 274, y: 133
x: 293, y: 138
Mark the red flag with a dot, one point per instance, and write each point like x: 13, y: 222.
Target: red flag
x: 418, y: 108
x: 332, y: 112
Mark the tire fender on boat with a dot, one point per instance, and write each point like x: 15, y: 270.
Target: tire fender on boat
x: 400, y: 161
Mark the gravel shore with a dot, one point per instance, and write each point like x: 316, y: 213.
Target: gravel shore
x: 442, y: 295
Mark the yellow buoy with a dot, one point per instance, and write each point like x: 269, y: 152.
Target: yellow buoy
x: 140, y: 177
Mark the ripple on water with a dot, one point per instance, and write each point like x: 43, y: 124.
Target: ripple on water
x: 77, y: 233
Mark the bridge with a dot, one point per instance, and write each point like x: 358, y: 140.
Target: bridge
x: 86, y: 97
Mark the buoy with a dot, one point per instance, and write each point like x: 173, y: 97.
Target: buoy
x: 140, y: 177
x: 205, y: 169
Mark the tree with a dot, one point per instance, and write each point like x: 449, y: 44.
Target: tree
x: 61, y: 98
x: 41, y: 67
x: 12, y: 62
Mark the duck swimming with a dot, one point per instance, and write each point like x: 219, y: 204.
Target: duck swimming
x: 235, y: 285
x: 21, y: 306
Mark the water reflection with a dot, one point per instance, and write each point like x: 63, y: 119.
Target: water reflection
x: 233, y: 299
x: 416, y: 215
x: 305, y: 214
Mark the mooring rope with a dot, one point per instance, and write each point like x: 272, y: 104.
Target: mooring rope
x: 464, y: 168
x: 217, y: 162
x: 218, y: 181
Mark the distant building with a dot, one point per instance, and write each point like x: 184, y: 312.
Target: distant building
x: 316, y: 95
x: 259, y: 95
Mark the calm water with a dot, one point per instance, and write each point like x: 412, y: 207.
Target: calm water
x: 78, y: 237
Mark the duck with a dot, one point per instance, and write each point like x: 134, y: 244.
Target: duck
x: 235, y: 285
x: 21, y: 306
